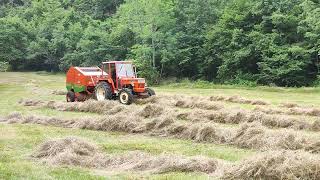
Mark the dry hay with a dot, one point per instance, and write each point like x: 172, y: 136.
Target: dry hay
x: 31, y: 102
x: 69, y: 151
x: 316, y: 125
x: 59, y: 92
x: 206, y: 132
x: 150, y: 111
x: 102, y: 107
x: 237, y: 116
x: 149, y: 100
x: 74, y: 151
x: 13, y: 117
x: 249, y: 135
x: 88, y: 106
x: 255, y: 136
x: 276, y: 165
x: 238, y: 99
x: 271, y: 111
x: 180, y: 101
x: 288, y: 105
x: 307, y: 111
x: 191, y: 103
x: 304, y: 111
x: 161, y: 126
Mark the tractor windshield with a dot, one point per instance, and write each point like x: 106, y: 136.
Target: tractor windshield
x: 125, y: 70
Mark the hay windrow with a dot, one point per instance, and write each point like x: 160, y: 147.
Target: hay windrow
x: 249, y: 135
x: 164, y: 101
x: 238, y: 99
x: 276, y: 165
x: 31, y: 102
x: 74, y: 151
x: 151, y: 111
x: 217, y: 113
x: 255, y: 136
x: 289, y: 105
x: 238, y: 116
x: 201, y: 105
x: 304, y: 111
x: 59, y: 92
x: 295, y: 110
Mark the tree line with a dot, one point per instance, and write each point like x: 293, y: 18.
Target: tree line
x: 267, y: 42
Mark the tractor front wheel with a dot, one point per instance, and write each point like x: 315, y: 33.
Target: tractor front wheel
x: 125, y: 97
x: 150, y: 92
x: 71, y: 97
x: 103, y: 91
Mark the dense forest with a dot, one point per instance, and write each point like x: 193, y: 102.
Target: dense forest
x: 267, y: 42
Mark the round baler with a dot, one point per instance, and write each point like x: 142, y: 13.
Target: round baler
x: 115, y: 79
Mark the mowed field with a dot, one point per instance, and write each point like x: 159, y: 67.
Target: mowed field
x: 184, y: 132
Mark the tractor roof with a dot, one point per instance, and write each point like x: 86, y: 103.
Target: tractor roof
x: 118, y: 62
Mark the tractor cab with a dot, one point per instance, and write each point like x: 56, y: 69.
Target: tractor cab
x: 123, y: 80
x: 123, y: 75
x: 118, y: 70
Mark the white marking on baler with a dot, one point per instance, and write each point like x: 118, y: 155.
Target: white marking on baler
x: 93, y: 81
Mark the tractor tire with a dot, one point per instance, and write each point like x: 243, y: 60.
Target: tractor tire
x: 103, y: 91
x: 125, y: 97
x: 71, y: 97
x: 150, y: 92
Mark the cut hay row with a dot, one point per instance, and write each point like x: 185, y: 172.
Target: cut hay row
x: 75, y: 151
x: 226, y: 116
x: 238, y: 116
x: 249, y: 135
x: 170, y: 100
x: 288, y: 105
x: 238, y: 99
x: 59, y: 92
x: 276, y: 165
x: 104, y: 107
x: 306, y: 111
x: 92, y: 106
x: 181, y: 101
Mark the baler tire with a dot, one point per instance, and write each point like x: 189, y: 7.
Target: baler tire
x: 107, y: 89
x: 128, y: 95
x: 71, y: 97
x: 150, y: 92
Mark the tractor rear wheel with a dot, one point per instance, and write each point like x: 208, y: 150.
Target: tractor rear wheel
x: 103, y: 91
x: 150, y: 92
x: 125, y: 97
x: 71, y: 97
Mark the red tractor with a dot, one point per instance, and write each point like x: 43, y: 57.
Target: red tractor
x: 115, y: 79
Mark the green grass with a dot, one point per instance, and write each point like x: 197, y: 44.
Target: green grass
x: 17, y: 142
x: 304, y: 96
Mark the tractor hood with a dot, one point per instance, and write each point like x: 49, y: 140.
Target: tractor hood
x: 133, y: 80
x: 138, y: 84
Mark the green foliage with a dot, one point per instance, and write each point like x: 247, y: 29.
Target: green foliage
x: 4, y: 66
x: 13, y: 41
x: 264, y: 39
x: 245, y: 42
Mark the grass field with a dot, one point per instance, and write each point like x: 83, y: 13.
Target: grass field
x: 18, y: 141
